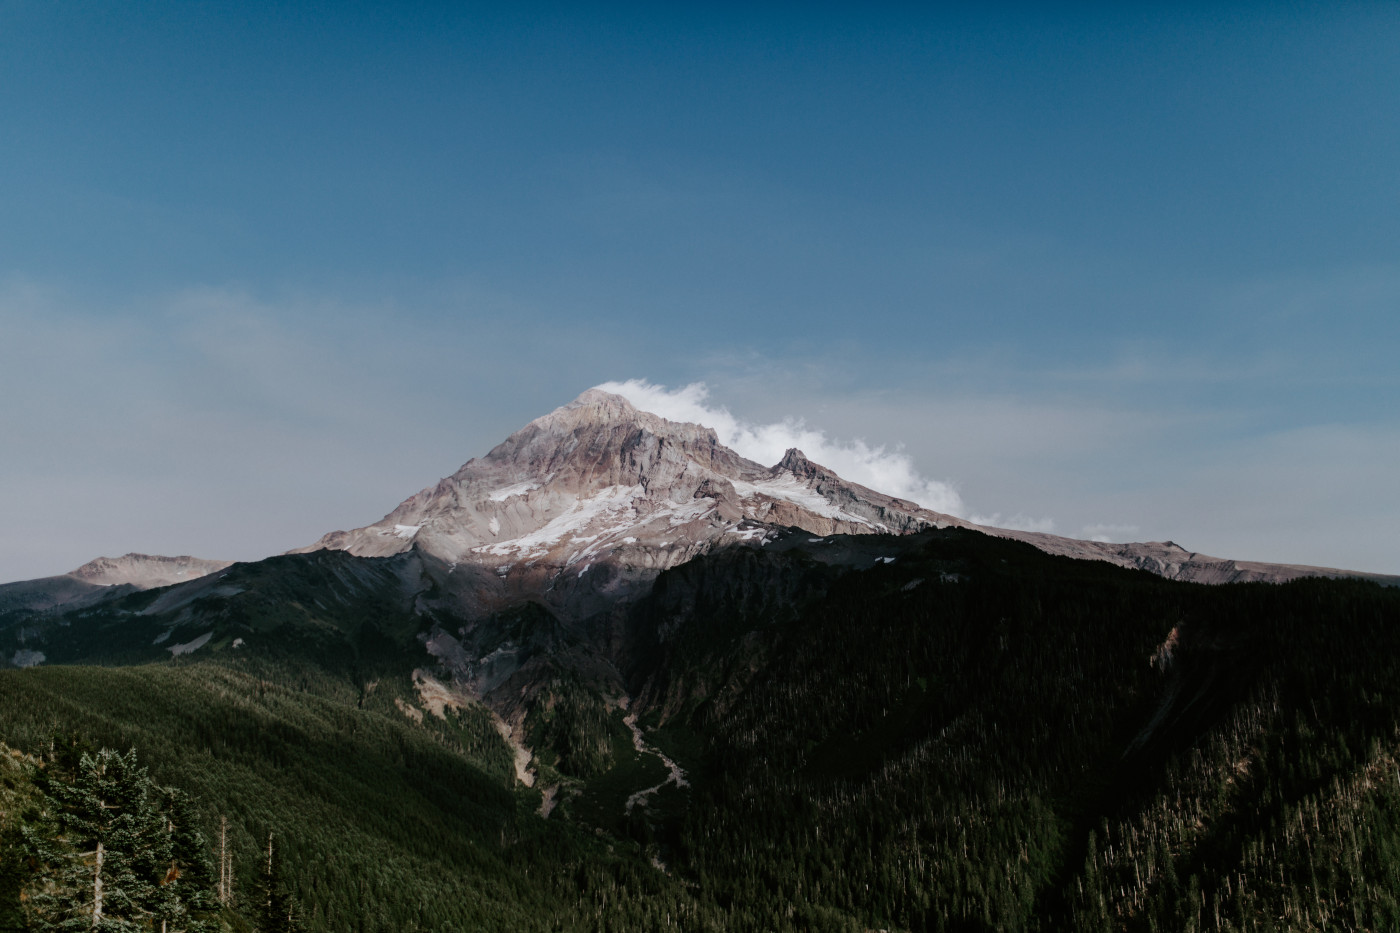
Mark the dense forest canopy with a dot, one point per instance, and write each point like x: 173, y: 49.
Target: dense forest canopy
x: 972, y: 736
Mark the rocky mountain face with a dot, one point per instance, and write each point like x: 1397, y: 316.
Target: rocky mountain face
x: 1171, y: 560
x: 101, y: 579
x: 540, y: 561
x: 146, y: 571
x: 583, y: 507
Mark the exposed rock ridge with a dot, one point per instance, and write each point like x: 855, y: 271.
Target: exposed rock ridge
x: 146, y: 571
x: 102, y: 579
x: 589, y: 502
x: 584, y: 506
x: 1171, y: 560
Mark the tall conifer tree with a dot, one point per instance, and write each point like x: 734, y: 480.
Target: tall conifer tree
x: 116, y: 853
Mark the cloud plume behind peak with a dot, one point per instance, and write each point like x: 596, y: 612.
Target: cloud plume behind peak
x: 889, y: 471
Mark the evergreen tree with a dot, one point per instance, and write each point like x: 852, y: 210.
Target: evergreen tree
x: 187, y: 902
x: 105, y: 836
x: 116, y: 853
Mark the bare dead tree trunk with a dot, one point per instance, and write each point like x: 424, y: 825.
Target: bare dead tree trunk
x: 269, y: 872
x: 223, y: 860
x: 97, y: 889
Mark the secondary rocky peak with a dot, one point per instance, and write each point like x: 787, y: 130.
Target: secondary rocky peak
x: 796, y: 463
x: 794, y: 460
x: 146, y: 571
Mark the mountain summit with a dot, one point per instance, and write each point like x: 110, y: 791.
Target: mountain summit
x: 587, y: 504
x: 603, y: 490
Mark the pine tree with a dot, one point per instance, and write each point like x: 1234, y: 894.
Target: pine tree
x: 116, y: 853
x: 186, y: 896
x: 105, y: 836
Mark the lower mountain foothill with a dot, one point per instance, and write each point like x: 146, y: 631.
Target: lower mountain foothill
x: 941, y: 730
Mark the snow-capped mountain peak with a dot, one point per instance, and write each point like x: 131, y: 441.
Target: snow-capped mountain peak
x: 586, y: 505
x: 599, y: 486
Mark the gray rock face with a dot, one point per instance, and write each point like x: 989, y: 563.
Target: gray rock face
x: 1171, y: 560
x: 145, y: 571
x: 102, y: 579
x: 587, y: 504
x: 584, y: 507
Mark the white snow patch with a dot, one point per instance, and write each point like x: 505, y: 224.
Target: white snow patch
x: 911, y: 584
x: 614, y: 501
x: 190, y: 647
x: 494, y: 525
x: 238, y: 643
x: 629, y: 540
x: 884, y: 560
x: 788, y: 487
x: 691, y: 511
x: 516, y: 489
x: 406, y: 531
x: 26, y: 658
x: 594, y: 545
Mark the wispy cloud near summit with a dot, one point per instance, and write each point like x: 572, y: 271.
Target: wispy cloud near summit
x: 889, y: 471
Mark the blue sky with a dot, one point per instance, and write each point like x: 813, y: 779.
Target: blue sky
x: 265, y: 270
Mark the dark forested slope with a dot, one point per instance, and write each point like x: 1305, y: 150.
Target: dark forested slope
x: 941, y: 731
x: 979, y: 736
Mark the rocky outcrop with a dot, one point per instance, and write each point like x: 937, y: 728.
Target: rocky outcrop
x: 583, y: 507
x: 146, y: 571
x: 99, y: 580
x: 1171, y: 560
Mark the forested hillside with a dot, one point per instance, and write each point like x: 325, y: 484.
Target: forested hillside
x: 382, y: 823
x: 959, y: 733
x: 980, y: 737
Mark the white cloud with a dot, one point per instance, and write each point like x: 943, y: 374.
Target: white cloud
x: 1018, y: 521
x: 1106, y: 533
x: 889, y: 471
